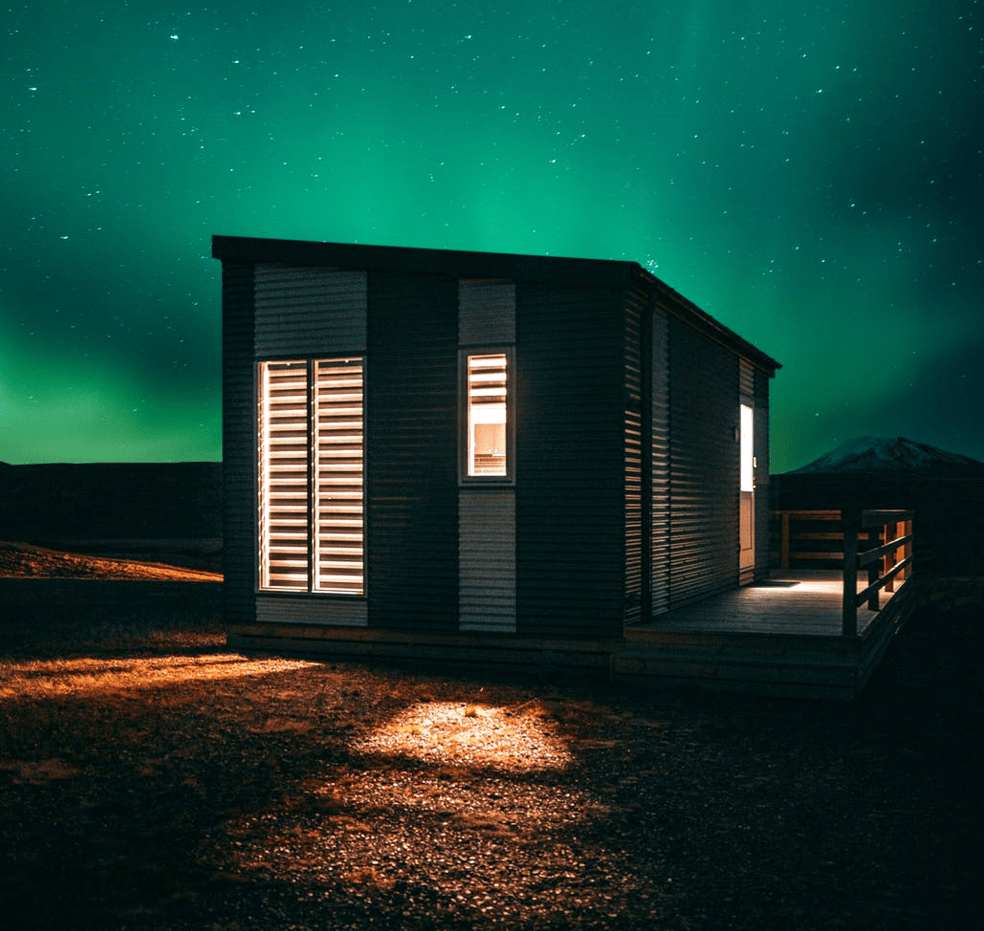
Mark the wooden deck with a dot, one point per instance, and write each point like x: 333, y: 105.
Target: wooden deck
x: 802, y: 603
x: 782, y: 637
x: 779, y: 637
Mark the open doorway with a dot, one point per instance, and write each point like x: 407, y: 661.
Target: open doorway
x: 746, y: 559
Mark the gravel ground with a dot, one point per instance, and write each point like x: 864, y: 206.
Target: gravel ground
x: 150, y: 780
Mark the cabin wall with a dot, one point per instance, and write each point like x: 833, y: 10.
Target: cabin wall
x: 703, y: 465
x: 625, y: 500
x: 411, y: 452
x: 238, y: 442
x: 570, y: 360
x: 574, y: 515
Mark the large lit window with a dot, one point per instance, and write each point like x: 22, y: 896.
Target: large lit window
x: 487, y: 439
x: 310, y: 472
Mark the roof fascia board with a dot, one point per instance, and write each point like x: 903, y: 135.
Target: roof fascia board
x: 461, y: 264
x: 449, y: 262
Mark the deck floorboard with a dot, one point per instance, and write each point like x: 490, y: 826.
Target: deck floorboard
x: 804, y: 603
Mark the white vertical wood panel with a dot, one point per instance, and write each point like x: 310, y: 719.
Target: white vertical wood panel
x: 487, y: 560
x: 309, y: 311
x: 333, y: 612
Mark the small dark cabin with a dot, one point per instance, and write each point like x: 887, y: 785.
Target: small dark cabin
x: 478, y: 450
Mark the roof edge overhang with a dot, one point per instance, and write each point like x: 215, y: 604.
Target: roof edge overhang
x: 462, y: 264
x: 450, y: 262
x: 691, y: 314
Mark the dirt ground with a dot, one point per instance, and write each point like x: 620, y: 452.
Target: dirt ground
x: 150, y: 779
x: 27, y: 561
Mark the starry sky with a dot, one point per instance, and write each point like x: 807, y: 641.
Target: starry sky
x: 810, y: 174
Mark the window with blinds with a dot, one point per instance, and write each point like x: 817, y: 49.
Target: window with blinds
x: 487, y: 440
x: 338, y: 531
x: 310, y: 451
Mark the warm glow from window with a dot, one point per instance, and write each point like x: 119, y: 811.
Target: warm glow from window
x: 471, y: 735
x: 487, y: 435
x: 92, y: 675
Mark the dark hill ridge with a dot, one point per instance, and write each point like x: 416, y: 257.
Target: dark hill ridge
x: 944, y: 489
x: 893, y: 455
x: 135, y: 509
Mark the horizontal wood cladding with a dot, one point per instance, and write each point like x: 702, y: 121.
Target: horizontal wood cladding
x: 746, y: 381
x: 659, y: 477
x: 336, y: 612
x: 309, y: 311
x: 570, y: 395
x: 634, y: 442
x: 622, y: 498
x: 487, y: 559
x: 411, y: 452
x: 238, y: 442
x: 704, y: 461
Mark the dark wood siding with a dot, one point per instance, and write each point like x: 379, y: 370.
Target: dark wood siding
x: 411, y: 452
x: 570, y: 363
x: 704, y: 460
x: 486, y: 312
x: 659, y: 472
x: 634, y: 442
x: 626, y: 403
x: 238, y: 442
x: 746, y: 382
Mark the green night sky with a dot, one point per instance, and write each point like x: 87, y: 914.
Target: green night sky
x: 810, y: 174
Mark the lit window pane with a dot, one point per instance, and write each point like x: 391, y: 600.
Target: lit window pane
x: 310, y: 471
x: 338, y: 463
x: 283, y: 478
x: 487, y: 414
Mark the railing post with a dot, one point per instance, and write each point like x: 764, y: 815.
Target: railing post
x: 910, y: 546
x: 892, y: 532
x: 784, y: 538
x: 850, y: 523
x: 874, y: 567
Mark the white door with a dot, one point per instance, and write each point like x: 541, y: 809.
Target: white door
x: 746, y: 559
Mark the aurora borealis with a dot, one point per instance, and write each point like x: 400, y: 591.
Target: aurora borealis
x: 812, y: 175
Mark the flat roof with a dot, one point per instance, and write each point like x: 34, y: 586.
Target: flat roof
x: 464, y: 264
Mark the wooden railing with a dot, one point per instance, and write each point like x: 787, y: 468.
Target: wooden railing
x: 887, y: 533
x: 801, y: 537
x: 877, y: 545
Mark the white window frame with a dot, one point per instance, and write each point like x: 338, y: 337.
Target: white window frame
x: 465, y: 477
x: 317, y: 500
